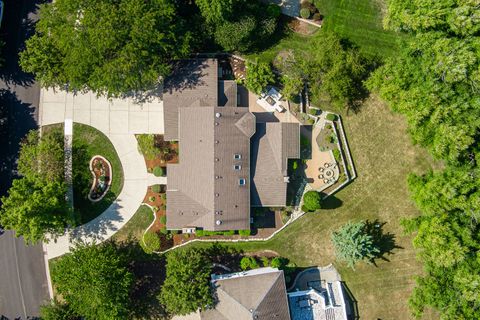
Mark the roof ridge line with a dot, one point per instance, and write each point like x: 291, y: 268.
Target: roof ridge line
x: 280, y: 272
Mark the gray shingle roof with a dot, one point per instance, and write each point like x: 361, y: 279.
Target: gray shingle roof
x: 259, y: 296
x: 272, y: 145
x: 204, y: 188
x: 193, y: 83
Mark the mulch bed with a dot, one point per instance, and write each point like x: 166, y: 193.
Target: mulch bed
x: 302, y: 27
x: 163, y: 159
x: 158, y: 202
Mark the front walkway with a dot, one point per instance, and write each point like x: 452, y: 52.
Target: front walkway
x: 119, y: 120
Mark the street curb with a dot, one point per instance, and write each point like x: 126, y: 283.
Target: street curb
x: 47, y: 270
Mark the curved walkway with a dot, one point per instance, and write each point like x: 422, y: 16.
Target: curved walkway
x: 119, y: 120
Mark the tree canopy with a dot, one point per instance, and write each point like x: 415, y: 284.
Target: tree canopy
x: 110, y: 47
x: 353, y: 243
x: 334, y: 69
x: 434, y: 82
x: 258, y: 76
x: 94, y: 281
x: 187, y: 285
x: 35, y: 205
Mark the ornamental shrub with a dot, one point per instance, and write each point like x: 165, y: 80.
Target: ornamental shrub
x: 156, y: 188
x: 331, y: 117
x: 248, y: 263
x: 305, y: 13
x: 163, y: 219
x: 244, y: 232
x: 151, y: 242
x: 311, y: 201
x: 151, y: 198
x: 158, y: 171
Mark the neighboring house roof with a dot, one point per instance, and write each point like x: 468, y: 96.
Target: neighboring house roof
x: 258, y: 294
x: 193, y: 83
x: 272, y: 145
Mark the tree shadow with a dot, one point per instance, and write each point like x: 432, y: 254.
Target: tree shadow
x: 16, y: 119
x: 18, y: 25
x: 330, y: 202
x: 149, y: 274
x: 384, y: 241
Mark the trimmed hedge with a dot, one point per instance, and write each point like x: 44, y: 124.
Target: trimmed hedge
x: 163, y: 219
x: 158, y: 172
x: 156, y: 188
x: 331, y: 117
x: 244, y: 232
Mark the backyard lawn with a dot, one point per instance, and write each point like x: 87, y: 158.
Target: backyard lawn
x: 383, y: 156
x: 358, y: 21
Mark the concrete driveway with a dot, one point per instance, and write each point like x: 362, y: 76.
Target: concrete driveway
x: 119, y: 120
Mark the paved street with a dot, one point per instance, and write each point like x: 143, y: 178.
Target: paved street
x: 23, y: 284
x: 23, y: 281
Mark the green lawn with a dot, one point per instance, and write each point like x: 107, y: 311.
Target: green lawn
x: 88, y: 142
x: 361, y: 22
x: 358, y: 21
x: 383, y: 155
x: 136, y: 226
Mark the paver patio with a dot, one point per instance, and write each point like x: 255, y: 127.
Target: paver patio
x: 119, y: 120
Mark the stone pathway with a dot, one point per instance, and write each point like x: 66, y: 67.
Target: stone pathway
x: 119, y: 120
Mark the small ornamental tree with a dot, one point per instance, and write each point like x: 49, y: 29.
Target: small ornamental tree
x: 187, y: 284
x: 259, y: 76
x: 353, y: 243
x: 94, y: 280
x: 311, y: 201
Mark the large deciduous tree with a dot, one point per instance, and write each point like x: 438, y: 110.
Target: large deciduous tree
x: 95, y: 282
x: 434, y: 81
x: 187, y: 285
x: 36, y: 205
x: 111, y: 47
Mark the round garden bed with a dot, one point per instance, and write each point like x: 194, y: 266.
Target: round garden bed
x: 102, y: 178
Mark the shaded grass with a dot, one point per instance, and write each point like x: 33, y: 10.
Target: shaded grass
x: 384, y: 156
x: 88, y: 142
x: 136, y: 226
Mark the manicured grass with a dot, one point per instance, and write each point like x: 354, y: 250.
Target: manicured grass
x: 88, y: 142
x: 358, y: 21
x: 136, y: 226
x: 383, y: 155
x: 361, y: 23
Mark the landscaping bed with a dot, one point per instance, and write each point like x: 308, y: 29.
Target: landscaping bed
x: 157, y: 152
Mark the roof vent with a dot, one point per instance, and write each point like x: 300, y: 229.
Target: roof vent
x: 218, y: 222
x: 216, y: 194
x: 216, y: 123
x: 216, y: 141
x: 218, y: 115
x: 216, y: 159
